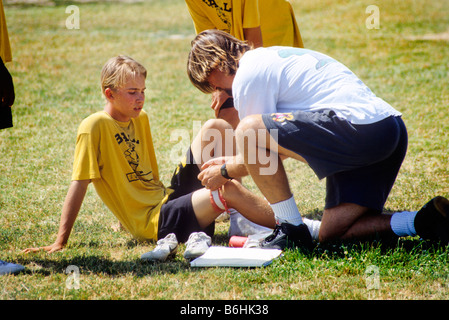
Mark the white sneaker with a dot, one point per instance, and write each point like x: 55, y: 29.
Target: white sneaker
x: 165, y: 248
x: 197, y: 245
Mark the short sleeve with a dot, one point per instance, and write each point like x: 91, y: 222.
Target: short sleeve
x: 85, y: 164
x: 251, y: 15
x: 200, y: 20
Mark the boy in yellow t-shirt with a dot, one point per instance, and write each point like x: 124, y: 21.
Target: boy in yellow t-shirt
x: 114, y: 151
x: 7, y: 98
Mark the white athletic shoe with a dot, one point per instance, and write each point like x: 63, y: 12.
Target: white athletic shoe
x: 165, y: 247
x: 197, y: 245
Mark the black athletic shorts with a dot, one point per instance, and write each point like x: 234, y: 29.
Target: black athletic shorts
x: 360, y: 162
x: 5, y: 117
x: 177, y: 215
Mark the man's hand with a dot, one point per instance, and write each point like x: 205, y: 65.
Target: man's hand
x: 210, y: 175
x: 218, y: 98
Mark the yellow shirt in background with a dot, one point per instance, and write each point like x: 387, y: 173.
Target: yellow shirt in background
x: 278, y: 24
x: 275, y: 18
x: 5, y: 48
x: 230, y: 16
x: 120, y: 160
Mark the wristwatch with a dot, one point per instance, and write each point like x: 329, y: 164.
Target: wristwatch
x: 224, y: 172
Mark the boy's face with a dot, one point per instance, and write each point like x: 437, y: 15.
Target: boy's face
x: 127, y: 101
x: 221, y: 81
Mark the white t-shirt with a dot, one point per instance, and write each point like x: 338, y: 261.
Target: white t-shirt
x: 284, y: 79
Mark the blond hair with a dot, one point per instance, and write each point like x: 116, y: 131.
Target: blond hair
x: 213, y: 49
x: 118, y: 70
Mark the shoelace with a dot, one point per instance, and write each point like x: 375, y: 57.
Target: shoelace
x: 272, y: 236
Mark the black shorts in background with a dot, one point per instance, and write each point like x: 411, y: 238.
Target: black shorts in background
x: 5, y: 117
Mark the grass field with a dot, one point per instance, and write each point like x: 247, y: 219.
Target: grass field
x: 56, y: 73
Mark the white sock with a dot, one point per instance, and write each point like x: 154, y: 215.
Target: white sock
x: 287, y: 211
x: 403, y: 223
x: 314, y: 227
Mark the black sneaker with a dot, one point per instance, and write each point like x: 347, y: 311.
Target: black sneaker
x: 432, y: 221
x: 287, y: 235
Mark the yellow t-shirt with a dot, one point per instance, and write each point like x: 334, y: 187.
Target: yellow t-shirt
x: 278, y: 24
x: 5, y: 48
x: 231, y: 16
x: 119, y: 157
x: 275, y: 18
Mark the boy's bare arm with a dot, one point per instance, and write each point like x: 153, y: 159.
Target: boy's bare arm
x: 72, y: 205
x: 254, y: 36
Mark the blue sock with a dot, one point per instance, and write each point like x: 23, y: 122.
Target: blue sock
x: 403, y: 223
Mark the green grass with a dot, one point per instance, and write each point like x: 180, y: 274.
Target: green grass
x: 56, y: 74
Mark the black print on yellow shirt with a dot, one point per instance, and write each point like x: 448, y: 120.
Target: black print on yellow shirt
x: 120, y: 137
x: 213, y: 4
x: 133, y: 158
x: 135, y: 176
x: 220, y: 12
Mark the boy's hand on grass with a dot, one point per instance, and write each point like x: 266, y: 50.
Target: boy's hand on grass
x: 50, y: 249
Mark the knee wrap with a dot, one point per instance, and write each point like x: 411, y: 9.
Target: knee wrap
x: 218, y: 202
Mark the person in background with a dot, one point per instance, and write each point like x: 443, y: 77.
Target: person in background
x: 7, y: 98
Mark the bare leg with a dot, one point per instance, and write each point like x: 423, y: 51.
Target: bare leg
x: 215, y: 139
x: 351, y: 221
x: 238, y: 197
x: 274, y: 186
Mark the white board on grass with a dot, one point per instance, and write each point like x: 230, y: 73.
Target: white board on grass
x: 236, y: 257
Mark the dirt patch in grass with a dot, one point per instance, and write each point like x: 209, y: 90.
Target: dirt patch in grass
x: 442, y: 36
